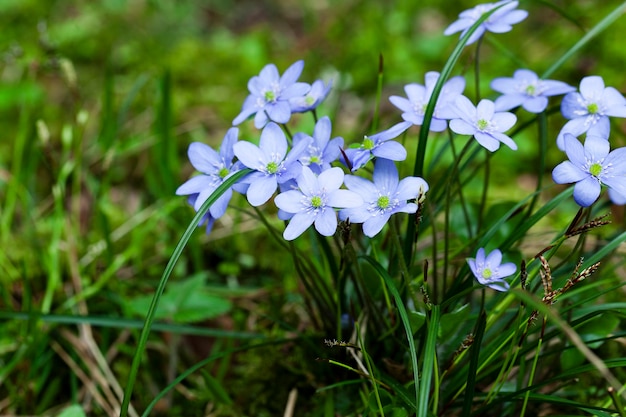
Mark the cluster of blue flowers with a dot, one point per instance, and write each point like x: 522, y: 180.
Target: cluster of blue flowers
x: 315, y: 190
x: 301, y: 168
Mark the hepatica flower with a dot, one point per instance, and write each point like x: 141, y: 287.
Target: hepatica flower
x: 270, y: 94
x: 526, y: 89
x: 589, y: 167
x: 499, y: 21
x: 490, y: 271
x: 315, y: 202
x: 589, y: 110
x: 322, y: 150
x: 379, y: 145
x: 215, y: 168
x: 383, y: 197
x: 418, y: 96
x: 312, y: 99
x: 484, y: 123
x: 271, y: 162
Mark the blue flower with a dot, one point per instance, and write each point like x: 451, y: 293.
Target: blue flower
x: 215, y: 168
x: 378, y: 145
x: 312, y: 99
x: 526, y: 89
x: 499, y: 21
x: 589, y: 110
x: 590, y: 167
x: 383, y: 197
x: 271, y: 162
x: 315, y: 201
x: 484, y: 123
x: 414, y: 106
x: 322, y: 150
x: 490, y: 271
x: 270, y: 94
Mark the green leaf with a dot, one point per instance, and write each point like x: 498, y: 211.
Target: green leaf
x: 183, y: 302
x: 73, y: 411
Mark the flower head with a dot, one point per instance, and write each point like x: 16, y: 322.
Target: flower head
x: 322, y: 150
x: 215, y: 168
x: 270, y: 94
x: 271, y: 162
x: 589, y: 110
x: 490, y: 271
x: 526, y: 89
x: 590, y: 166
x: 484, y: 123
x: 418, y: 96
x: 312, y: 99
x: 499, y: 21
x: 383, y: 197
x: 314, y: 202
x: 378, y: 145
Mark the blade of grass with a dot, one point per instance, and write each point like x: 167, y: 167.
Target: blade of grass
x: 143, y: 338
x: 405, y: 321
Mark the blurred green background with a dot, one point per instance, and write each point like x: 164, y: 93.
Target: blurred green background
x: 98, y: 103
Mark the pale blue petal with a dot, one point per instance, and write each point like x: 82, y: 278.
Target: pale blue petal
x: 361, y: 186
x: 504, y: 120
x: 195, y: 185
x: 487, y: 141
x: 260, y: 119
x: 506, y: 269
x: 566, y: 173
x: 494, y: 259
x: 248, y: 154
x: 279, y: 112
x: 462, y: 127
x: 289, y: 201
x: 596, y: 147
x: 203, y: 157
x: 587, y: 191
x: 505, y: 139
x: 326, y: 222
x: 344, y: 199
x: 297, y: 225
x: 308, y: 182
x: 591, y: 87
x: 356, y: 214
x: 385, y: 175
x: 602, y: 128
x: 390, y: 150
x: 374, y: 225
x: 292, y: 74
x: 509, y: 101
x: 574, y: 150
x: 261, y: 190
x: 273, y: 141
x: 536, y: 104
x: 331, y: 179
x: 571, y: 106
x: 410, y: 187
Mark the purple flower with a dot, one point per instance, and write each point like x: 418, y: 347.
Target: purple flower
x: 490, y: 271
x: 499, y: 21
x: 590, y: 167
x: 484, y: 123
x: 383, y: 197
x: 378, y: 145
x: 215, y: 168
x: 315, y: 201
x: 589, y: 110
x: 526, y: 89
x: 414, y: 106
x: 270, y: 95
x: 322, y: 150
x: 271, y: 162
x: 312, y: 99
